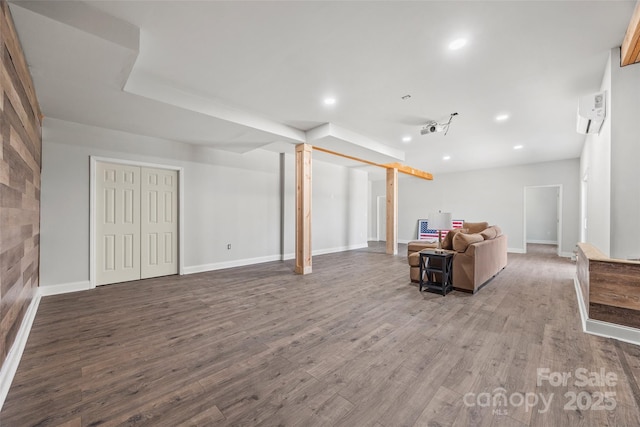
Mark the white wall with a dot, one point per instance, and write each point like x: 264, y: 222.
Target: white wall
x: 625, y: 158
x: 228, y: 198
x: 542, y: 215
x: 339, y: 207
x: 494, y: 195
x: 595, y: 167
x: 610, y: 163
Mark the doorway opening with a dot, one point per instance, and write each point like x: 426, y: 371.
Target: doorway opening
x: 543, y: 216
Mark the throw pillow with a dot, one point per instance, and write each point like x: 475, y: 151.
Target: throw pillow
x: 475, y: 227
x: 498, y: 230
x: 461, y: 241
x: 489, y: 233
x: 447, y: 242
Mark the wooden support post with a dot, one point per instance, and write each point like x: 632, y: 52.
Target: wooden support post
x: 303, y: 208
x: 392, y: 211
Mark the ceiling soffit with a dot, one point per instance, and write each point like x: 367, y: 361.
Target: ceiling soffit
x: 99, y: 52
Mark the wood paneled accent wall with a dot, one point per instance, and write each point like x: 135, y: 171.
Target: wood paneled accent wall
x: 20, y: 161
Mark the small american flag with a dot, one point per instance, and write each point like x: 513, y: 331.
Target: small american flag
x: 424, y: 232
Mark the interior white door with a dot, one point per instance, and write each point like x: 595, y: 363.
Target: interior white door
x: 159, y: 222
x: 117, y: 219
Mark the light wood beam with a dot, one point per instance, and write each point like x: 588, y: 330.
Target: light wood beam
x: 630, y: 50
x: 346, y: 156
x: 392, y: 211
x: 409, y: 170
x: 401, y: 168
x: 303, y: 208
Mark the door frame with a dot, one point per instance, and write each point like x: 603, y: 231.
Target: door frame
x: 558, y: 213
x: 93, y: 160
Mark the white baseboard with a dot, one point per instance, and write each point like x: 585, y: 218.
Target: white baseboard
x: 581, y: 307
x: 567, y: 254
x: 516, y: 250
x: 65, y: 288
x: 230, y: 264
x: 10, y: 365
x: 292, y: 255
x: 340, y: 249
x: 604, y: 329
x: 543, y: 242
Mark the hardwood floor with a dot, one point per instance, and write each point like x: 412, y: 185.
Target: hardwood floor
x: 352, y: 344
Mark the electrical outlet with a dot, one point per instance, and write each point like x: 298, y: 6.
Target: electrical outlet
x: 229, y: 246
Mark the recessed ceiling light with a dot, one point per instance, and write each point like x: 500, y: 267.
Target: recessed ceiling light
x: 446, y: 158
x: 518, y: 147
x: 502, y: 117
x: 406, y: 139
x: 329, y: 101
x: 457, y: 44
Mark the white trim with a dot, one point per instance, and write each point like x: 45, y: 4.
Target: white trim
x: 329, y: 250
x: 230, y: 264
x: 134, y: 163
x: 93, y: 160
x: 65, y: 288
x: 270, y: 258
x: 568, y: 255
x: 603, y: 329
x: 581, y: 307
x: 610, y: 330
x: 404, y: 241
x: 10, y: 365
x: 543, y: 242
x: 339, y: 249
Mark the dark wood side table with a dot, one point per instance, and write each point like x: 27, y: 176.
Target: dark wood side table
x: 436, y: 270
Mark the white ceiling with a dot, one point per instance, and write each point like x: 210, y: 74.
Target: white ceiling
x: 245, y: 75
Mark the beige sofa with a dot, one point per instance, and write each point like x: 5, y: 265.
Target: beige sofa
x: 480, y: 252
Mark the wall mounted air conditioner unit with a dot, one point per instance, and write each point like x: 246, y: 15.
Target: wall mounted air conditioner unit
x: 591, y: 113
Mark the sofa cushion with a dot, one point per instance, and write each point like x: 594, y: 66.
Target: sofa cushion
x: 414, y: 274
x: 489, y: 233
x: 414, y: 259
x: 447, y: 242
x: 475, y: 227
x: 498, y: 230
x: 418, y: 245
x: 461, y: 241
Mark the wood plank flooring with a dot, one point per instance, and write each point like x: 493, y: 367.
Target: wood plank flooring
x: 353, y: 344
